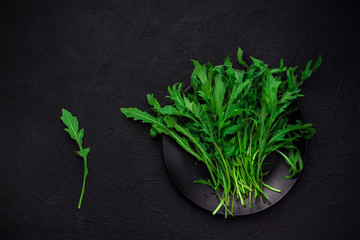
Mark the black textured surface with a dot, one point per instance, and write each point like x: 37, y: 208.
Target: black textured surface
x: 92, y: 57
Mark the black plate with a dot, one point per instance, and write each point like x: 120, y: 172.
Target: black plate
x: 184, y: 169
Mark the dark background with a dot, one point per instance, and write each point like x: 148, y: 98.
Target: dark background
x: 93, y: 57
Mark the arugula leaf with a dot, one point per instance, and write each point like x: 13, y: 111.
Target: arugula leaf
x: 72, y: 125
x: 219, y: 93
x: 159, y: 126
x: 240, y: 60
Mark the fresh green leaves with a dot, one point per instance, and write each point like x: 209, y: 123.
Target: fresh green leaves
x: 72, y: 125
x: 219, y: 94
x: 137, y: 114
x: 307, y: 72
x: 158, y: 126
x: 231, y: 121
x: 239, y: 58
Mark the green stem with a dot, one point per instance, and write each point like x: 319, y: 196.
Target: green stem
x: 271, y: 188
x: 84, y: 181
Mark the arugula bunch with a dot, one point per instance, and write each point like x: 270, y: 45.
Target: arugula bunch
x: 231, y: 121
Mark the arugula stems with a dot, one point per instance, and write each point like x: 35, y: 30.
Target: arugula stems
x: 231, y: 122
x: 84, y: 179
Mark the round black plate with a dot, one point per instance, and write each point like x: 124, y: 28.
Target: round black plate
x: 184, y: 169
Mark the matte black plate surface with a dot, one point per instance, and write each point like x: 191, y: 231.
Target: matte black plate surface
x: 184, y: 169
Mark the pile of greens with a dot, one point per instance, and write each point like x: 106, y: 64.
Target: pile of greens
x: 231, y: 121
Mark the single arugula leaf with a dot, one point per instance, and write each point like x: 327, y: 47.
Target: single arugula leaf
x: 219, y: 93
x: 137, y: 114
x: 204, y: 182
x: 308, y: 72
x: 72, y: 125
x: 158, y: 126
x: 200, y: 71
x: 258, y: 63
x: 153, y: 101
x: 240, y: 59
